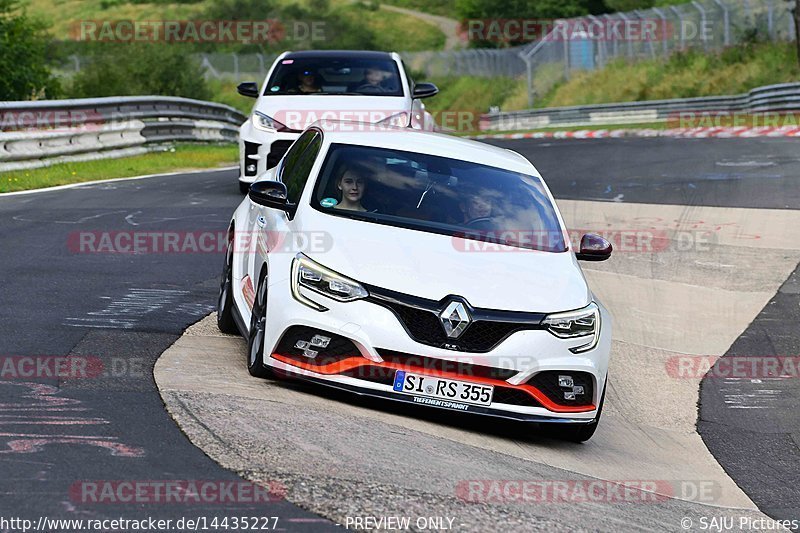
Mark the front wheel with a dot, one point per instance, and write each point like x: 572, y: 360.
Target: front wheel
x: 255, y: 341
x: 244, y: 188
x: 225, y: 320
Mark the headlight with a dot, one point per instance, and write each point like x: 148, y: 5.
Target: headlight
x: 581, y: 323
x: 315, y: 277
x: 266, y: 123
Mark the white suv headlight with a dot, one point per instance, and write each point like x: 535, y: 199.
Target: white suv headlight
x: 572, y: 324
x: 266, y: 123
x: 315, y: 277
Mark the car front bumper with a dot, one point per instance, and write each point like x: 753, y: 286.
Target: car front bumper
x: 261, y: 150
x: 524, y: 359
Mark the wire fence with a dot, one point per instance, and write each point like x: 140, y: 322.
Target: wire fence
x: 570, y: 45
x: 703, y: 24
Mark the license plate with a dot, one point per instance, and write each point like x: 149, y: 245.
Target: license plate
x: 445, y: 389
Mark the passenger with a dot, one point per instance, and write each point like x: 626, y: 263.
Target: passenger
x: 352, y: 185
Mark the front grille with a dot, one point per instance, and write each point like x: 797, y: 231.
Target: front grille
x: 511, y: 396
x: 276, y: 151
x: 547, y: 382
x: 338, y: 348
x: 423, y: 326
x: 462, y: 368
x: 375, y: 374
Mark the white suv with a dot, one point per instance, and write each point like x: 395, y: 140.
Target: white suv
x: 304, y: 87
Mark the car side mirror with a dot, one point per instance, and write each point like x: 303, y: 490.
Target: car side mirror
x: 425, y: 90
x: 272, y: 194
x: 594, y: 248
x: 248, y: 88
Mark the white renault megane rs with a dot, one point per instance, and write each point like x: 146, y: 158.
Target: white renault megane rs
x: 420, y: 268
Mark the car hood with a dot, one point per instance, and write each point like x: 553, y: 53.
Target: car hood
x: 434, y: 266
x: 298, y: 112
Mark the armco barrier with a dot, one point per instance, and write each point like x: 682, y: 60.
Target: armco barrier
x: 783, y: 97
x: 36, y: 134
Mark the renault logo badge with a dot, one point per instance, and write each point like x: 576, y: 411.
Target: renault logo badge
x: 455, y: 319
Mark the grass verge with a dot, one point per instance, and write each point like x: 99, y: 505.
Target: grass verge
x: 180, y: 157
x: 610, y: 127
x: 688, y: 74
x: 394, y: 32
x: 444, y: 8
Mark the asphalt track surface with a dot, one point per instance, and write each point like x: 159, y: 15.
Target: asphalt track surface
x: 126, y: 310
x: 759, y: 172
x: 123, y: 310
x: 751, y: 428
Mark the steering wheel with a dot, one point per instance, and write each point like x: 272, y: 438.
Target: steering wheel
x: 484, y: 223
x: 369, y: 88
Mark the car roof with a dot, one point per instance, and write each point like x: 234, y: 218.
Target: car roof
x: 424, y: 142
x: 344, y: 54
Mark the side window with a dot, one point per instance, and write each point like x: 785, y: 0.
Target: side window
x: 298, y: 162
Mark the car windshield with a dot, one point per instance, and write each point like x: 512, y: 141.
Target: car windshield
x: 438, y: 195
x: 338, y: 76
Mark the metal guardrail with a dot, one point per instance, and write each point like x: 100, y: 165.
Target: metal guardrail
x: 41, y: 133
x: 772, y: 98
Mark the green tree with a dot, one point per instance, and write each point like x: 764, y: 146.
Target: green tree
x: 120, y: 69
x: 796, y: 12
x: 24, y: 73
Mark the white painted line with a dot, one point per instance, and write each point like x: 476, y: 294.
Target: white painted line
x: 83, y: 183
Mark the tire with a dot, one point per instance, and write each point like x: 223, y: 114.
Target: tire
x: 244, y: 188
x: 225, y: 320
x: 255, y: 340
x: 583, y: 432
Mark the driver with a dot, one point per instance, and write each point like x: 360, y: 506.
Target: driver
x: 307, y: 82
x: 477, y: 206
x: 373, y: 77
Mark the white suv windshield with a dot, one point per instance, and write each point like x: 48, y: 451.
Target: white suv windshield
x: 439, y: 195
x: 342, y: 76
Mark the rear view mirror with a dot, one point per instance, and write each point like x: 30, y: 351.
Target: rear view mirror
x: 594, y: 248
x: 272, y: 194
x: 425, y: 90
x: 248, y: 88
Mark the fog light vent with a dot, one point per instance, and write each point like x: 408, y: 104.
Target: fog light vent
x: 308, y: 344
x: 320, y: 341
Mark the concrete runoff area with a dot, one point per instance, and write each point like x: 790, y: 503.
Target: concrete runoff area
x: 341, y: 456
